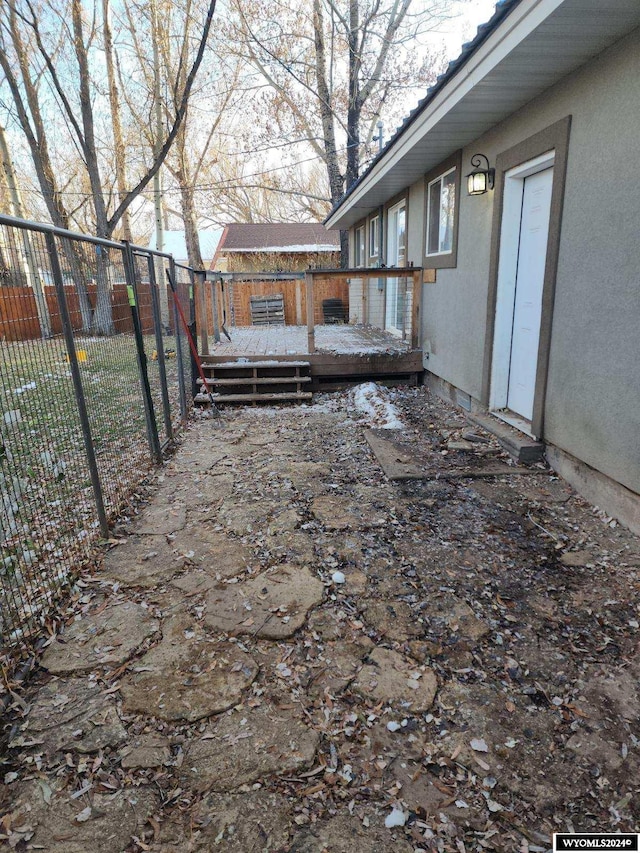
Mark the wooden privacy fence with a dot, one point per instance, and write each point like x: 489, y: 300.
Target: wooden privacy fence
x: 19, y: 314
x: 238, y: 298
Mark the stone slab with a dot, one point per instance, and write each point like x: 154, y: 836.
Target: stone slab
x: 447, y: 614
x: 161, y: 518
x: 245, y: 517
x: 213, y: 550
x: 53, y: 826
x: 199, y: 458
x: 295, y: 547
x: 284, y: 520
x: 143, y: 561
x: 145, y: 752
x: 388, y: 677
x: 393, y: 619
x: 335, y: 668
x: 248, y: 745
x: 256, y: 821
x: 209, y: 489
x: 308, y: 477
x: 73, y: 714
x: 272, y: 605
x: 108, y: 638
x: 187, y: 676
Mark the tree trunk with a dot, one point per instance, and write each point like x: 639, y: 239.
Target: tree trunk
x: 354, y: 106
x: 336, y: 179
x: 38, y: 146
x: 190, y: 226
x: 75, y: 264
x: 114, y: 103
x: 103, y: 315
x: 103, y: 320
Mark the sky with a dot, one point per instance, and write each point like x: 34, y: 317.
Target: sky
x: 459, y: 30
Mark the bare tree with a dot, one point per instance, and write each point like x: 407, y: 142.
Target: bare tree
x: 333, y: 66
x: 32, y: 40
x: 119, y: 149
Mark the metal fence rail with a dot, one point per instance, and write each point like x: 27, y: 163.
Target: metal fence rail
x: 93, y: 386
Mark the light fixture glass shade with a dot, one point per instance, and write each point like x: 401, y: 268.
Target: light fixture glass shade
x: 477, y: 183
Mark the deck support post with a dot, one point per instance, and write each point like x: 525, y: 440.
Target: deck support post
x: 201, y: 309
x: 416, y: 310
x: 311, y: 334
x: 214, y: 307
x: 365, y: 298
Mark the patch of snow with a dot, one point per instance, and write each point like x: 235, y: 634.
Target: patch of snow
x: 373, y: 402
x: 299, y: 247
x: 29, y: 386
x: 12, y: 417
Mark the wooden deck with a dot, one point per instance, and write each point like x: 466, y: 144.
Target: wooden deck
x: 343, y: 354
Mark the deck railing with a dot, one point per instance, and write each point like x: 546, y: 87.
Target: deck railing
x: 389, y: 299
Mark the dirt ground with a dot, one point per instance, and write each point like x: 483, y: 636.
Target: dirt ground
x: 283, y: 650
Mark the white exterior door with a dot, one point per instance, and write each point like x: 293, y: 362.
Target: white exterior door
x: 524, y: 236
x: 527, y: 311
x: 396, y: 257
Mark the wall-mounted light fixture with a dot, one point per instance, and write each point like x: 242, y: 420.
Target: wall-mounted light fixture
x: 480, y: 180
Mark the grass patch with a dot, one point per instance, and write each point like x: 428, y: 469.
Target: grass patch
x: 47, y: 514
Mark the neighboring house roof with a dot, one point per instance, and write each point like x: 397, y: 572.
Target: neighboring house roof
x: 281, y: 237
x: 175, y: 243
x: 524, y: 49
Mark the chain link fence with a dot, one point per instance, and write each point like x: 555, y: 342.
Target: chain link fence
x: 94, y: 383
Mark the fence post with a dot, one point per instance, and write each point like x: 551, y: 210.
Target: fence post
x: 311, y: 332
x: 152, y: 429
x: 67, y: 330
x: 182, y: 393
x: 157, y: 324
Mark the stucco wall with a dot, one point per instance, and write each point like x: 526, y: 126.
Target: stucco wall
x: 593, y: 395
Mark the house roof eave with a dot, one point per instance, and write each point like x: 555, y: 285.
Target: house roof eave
x: 523, y: 50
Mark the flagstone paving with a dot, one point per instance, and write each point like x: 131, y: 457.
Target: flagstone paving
x: 281, y: 650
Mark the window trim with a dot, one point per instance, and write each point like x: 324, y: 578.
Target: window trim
x: 432, y: 183
x: 392, y: 202
x: 362, y: 261
x: 374, y: 232
x: 449, y: 259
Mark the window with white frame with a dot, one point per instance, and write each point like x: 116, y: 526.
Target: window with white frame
x: 374, y: 237
x: 359, y: 254
x: 441, y: 206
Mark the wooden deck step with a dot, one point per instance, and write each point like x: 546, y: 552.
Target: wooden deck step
x: 264, y: 381
x: 241, y: 365
x: 255, y: 380
x: 284, y: 397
